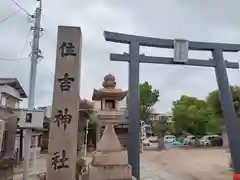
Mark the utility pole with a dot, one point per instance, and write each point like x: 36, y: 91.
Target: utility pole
x: 35, y: 55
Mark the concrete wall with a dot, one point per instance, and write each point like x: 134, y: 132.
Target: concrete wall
x: 7, y: 159
x: 9, y: 90
x: 9, y: 101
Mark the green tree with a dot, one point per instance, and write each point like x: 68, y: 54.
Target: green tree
x: 162, y: 126
x: 92, y: 125
x: 214, y: 102
x: 191, y: 115
x: 148, y: 97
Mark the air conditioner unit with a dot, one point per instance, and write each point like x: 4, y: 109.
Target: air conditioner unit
x: 32, y: 119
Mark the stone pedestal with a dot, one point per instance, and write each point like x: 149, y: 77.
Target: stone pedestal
x: 110, y: 161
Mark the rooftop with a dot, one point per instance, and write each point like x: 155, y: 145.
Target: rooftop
x: 14, y: 83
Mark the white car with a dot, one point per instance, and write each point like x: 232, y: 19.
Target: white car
x: 189, y: 140
x: 146, y: 142
x: 169, y: 138
x: 206, y: 140
x: 153, y: 139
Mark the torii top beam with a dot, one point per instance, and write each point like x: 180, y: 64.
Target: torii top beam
x: 168, y: 43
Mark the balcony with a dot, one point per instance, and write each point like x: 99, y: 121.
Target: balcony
x: 9, y: 101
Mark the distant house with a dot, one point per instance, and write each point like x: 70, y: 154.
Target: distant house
x: 11, y: 94
x: 161, y: 116
x: 84, y: 111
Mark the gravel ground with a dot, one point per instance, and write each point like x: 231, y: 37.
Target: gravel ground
x: 192, y: 164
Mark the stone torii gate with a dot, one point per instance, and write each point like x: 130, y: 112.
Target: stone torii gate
x: 217, y: 62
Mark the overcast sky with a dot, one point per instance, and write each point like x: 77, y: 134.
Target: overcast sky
x: 198, y: 20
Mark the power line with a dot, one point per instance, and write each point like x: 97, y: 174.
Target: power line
x: 12, y: 59
x: 10, y: 16
x: 15, y: 69
x: 21, y: 8
x: 26, y: 41
x: 14, y: 13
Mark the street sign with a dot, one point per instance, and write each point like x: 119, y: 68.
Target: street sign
x: 180, y: 50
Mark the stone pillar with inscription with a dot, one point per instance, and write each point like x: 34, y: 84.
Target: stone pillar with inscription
x: 62, y: 149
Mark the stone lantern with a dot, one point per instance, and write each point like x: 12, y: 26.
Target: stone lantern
x: 111, y: 108
x: 110, y: 161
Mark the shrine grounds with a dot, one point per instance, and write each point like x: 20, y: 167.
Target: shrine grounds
x: 185, y: 164
x: 191, y: 163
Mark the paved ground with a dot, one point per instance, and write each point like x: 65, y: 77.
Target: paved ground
x: 148, y: 171
x: 191, y: 164
x: 40, y: 168
x: 173, y: 164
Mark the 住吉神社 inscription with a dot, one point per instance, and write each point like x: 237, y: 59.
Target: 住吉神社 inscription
x: 65, y: 82
x: 67, y: 49
x: 63, y: 135
x: 63, y: 117
x: 60, y: 160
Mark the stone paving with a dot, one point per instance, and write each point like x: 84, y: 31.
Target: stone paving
x: 148, y: 172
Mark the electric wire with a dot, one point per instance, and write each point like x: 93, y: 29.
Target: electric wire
x: 10, y: 16
x: 16, y: 68
x: 12, y: 59
x: 23, y: 9
x: 26, y: 41
x: 16, y: 12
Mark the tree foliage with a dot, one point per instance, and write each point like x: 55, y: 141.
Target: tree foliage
x: 214, y: 102
x: 92, y: 125
x: 191, y: 115
x: 148, y: 97
x: 162, y: 126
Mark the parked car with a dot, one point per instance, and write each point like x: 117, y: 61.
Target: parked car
x: 146, y: 142
x: 153, y: 139
x: 217, y: 141
x: 207, y: 140
x: 169, y: 138
x: 189, y: 140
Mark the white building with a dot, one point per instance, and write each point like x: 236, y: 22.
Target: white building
x: 47, y: 111
x: 11, y: 94
x: 160, y: 116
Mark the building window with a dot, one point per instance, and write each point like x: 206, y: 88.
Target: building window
x: 28, y: 118
x: 3, y: 144
x: 17, y: 105
x: 3, y: 100
x: 110, y: 104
